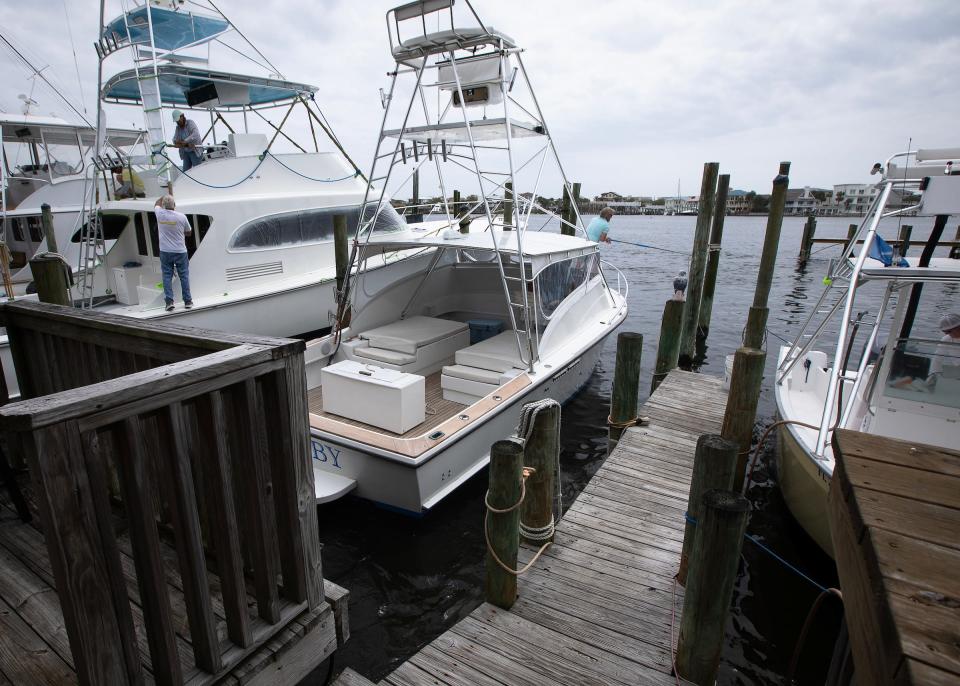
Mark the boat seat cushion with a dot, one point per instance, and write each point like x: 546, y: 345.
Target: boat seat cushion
x: 497, y: 354
x: 384, y: 355
x: 460, y: 371
x: 406, y: 335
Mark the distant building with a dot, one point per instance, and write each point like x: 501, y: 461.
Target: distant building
x: 854, y: 198
x: 738, y: 202
x: 609, y: 196
x: 683, y: 205
x: 804, y: 201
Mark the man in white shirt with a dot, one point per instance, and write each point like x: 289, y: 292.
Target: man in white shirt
x: 186, y: 137
x: 173, y: 227
x: 948, y: 351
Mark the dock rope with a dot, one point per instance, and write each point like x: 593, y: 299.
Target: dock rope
x: 756, y: 452
x: 528, y: 418
x: 527, y: 471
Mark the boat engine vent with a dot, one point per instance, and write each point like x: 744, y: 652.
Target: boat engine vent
x: 253, y: 271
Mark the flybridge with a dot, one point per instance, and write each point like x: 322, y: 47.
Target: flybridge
x: 172, y: 29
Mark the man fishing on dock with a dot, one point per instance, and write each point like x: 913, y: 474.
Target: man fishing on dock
x: 600, y: 226
x: 187, y: 138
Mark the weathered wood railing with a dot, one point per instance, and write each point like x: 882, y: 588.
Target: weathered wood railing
x: 207, y: 433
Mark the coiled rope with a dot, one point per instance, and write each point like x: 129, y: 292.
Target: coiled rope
x: 528, y: 419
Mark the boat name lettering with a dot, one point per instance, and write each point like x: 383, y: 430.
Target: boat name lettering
x: 325, y: 453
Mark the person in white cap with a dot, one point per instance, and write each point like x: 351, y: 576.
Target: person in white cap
x: 187, y: 139
x: 949, y: 349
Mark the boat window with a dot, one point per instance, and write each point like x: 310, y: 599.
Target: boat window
x: 304, y: 227
x: 154, y: 233
x: 35, y: 226
x: 141, y: 235
x: 113, y: 226
x: 925, y: 370
x: 560, y: 279
x: 200, y: 223
x: 17, y: 230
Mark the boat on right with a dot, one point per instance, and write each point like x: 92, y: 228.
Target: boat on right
x: 880, y: 351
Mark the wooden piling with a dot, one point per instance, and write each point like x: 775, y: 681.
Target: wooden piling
x: 626, y: 384
x: 46, y: 217
x: 903, y: 240
x: 502, y: 528
x: 572, y: 217
x: 50, y: 276
x: 806, y: 243
x: 714, y: 464
x: 507, y: 206
x: 698, y: 265
x: 851, y: 232
x: 540, y: 453
x: 340, y: 249
x: 668, y: 349
x: 713, y: 571
x: 713, y: 257
x: 757, y: 317
x: 566, y: 227
x: 741, y: 411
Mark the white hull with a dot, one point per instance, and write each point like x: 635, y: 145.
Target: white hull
x: 804, y: 485
x: 417, y: 485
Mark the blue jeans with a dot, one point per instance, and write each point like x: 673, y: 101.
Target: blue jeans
x: 191, y: 158
x: 170, y: 261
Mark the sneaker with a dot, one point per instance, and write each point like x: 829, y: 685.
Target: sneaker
x: 187, y: 305
x: 169, y: 307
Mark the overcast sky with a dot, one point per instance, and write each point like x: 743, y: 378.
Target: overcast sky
x: 638, y: 94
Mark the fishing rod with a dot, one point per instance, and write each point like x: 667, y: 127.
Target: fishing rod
x: 652, y: 247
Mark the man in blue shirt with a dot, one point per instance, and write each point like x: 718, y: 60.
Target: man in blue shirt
x: 600, y: 226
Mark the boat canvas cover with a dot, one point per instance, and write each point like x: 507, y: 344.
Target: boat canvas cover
x: 540, y: 249
x: 234, y: 91
x: 19, y: 128
x: 172, y: 29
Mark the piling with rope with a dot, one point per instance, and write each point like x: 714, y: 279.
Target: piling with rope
x: 502, y: 521
x: 713, y: 257
x: 806, y: 242
x: 698, y: 265
x: 541, y: 450
x: 714, y: 464
x: 668, y: 349
x: 626, y: 383
x: 712, y: 573
x: 742, y: 400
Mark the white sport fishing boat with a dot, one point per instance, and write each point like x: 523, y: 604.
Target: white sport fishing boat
x: 906, y: 388
x: 45, y: 160
x: 432, y: 358
x: 262, y: 250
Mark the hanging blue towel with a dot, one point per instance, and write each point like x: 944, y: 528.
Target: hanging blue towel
x: 883, y: 252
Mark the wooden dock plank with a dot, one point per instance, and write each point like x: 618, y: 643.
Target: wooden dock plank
x: 596, y: 607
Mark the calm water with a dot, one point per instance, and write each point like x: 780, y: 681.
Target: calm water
x: 411, y: 579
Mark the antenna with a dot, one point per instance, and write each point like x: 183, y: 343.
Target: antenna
x: 28, y: 102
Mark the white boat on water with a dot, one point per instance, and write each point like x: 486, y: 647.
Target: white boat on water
x: 887, y: 370
x: 440, y: 351
x: 262, y: 250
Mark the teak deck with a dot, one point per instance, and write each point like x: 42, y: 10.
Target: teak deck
x: 596, y: 607
x: 895, y: 522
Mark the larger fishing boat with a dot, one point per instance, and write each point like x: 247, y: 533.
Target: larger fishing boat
x: 432, y: 358
x: 262, y: 249
x: 887, y: 369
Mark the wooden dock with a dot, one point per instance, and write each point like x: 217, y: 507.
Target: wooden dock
x: 171, y: 487
x: 597, y: 607
x: 895, y: 522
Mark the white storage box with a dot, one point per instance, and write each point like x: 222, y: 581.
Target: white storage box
x: 385, y: 398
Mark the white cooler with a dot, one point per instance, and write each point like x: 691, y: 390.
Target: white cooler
x: 386, y: 398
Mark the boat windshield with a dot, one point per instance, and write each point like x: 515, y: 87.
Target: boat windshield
x: 557, y: 281
x: 388, y: 220
x: 925, y: 370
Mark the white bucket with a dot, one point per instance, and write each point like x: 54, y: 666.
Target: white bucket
x: 727, y: 371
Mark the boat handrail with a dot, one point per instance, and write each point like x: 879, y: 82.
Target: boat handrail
x: 849, y: 299
x: 623, y: 284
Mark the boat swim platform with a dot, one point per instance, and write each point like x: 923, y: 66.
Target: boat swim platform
x: 895, y: 520
x: 597, y: 606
